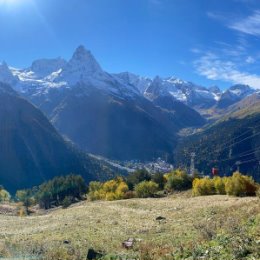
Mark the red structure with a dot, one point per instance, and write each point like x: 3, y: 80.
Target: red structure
x: 215, y: 171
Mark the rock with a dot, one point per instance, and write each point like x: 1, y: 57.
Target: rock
x: 160, y: 218
x: 93, y: 255
x: 129, y: 243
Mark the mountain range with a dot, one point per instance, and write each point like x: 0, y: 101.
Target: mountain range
x: 100, y: 112
x: 124, y: 116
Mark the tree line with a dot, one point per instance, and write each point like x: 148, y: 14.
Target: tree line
x: 65, y: 190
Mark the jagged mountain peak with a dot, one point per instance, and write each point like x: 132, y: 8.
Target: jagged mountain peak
x: 82, y: 67
x: 157, y: 79
x: 83, y: 57
x: 81, y: 52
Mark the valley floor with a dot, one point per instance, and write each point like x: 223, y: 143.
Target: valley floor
x: 210, y: 227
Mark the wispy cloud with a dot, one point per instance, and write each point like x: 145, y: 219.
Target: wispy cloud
x: 250, y: 60
x: 213, y: 67
x: 217, y: 16
x: 195, y: 50
x: 249, y: 25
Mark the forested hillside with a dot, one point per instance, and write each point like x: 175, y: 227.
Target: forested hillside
x: 227, y: 145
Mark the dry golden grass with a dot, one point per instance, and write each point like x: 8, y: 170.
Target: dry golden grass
x: 104, y: 225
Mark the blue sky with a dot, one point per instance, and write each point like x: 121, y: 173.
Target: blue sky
x: 209, y: 42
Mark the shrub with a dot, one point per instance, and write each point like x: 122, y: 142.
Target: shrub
x: 178, y: 180
x: 26, y: 197
x: 240, y: 185
x: 237, y: 185
x: 67, y: 202
x: 203, y: 186
x: 110, y: 190
x: 4, y: 195
x: 137, y: 177
x: 146, y: 189
x: 160, y: 179
x: 219, y: 184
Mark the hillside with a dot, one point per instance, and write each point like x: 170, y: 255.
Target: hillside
x: 223, y: 228
x: 32, y: 151
x: 224, y: 144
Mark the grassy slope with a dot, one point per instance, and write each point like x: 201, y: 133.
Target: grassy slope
x: 194, y: 225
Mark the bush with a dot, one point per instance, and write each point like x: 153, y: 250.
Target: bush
x: 219, y: 184
x: 237, y: 185
x: 110, y: 190
x: 160, y: 179
x: 67, y: 202
x: 4, y: 195
x: 26, y: 197
x: 137, y: 177
x: 178, y: 180
x: 146, y: 189
x: 203, y: 186
x: 240, y: 185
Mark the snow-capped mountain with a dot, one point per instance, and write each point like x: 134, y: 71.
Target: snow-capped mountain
x: 141, y: 83
x: 234, y: 94
x: 112, y: 114
x: 81, y: 67
x: 195, y: 96
x: 45, y: 75
x: 184, y: 91
x: 102, y: 113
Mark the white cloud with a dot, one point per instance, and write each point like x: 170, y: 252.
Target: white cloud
x: 195, y: 50
x: 249, y: 25
x: 250, y: 60
x: 214, y: 68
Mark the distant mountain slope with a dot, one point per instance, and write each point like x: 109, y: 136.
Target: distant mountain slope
x: 223, y: 144
x: 246, y: 106
x: 31, y: 149
x: 182, y: 114
x: 116, y: 128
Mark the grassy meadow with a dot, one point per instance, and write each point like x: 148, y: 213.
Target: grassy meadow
x: 208, y: 227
